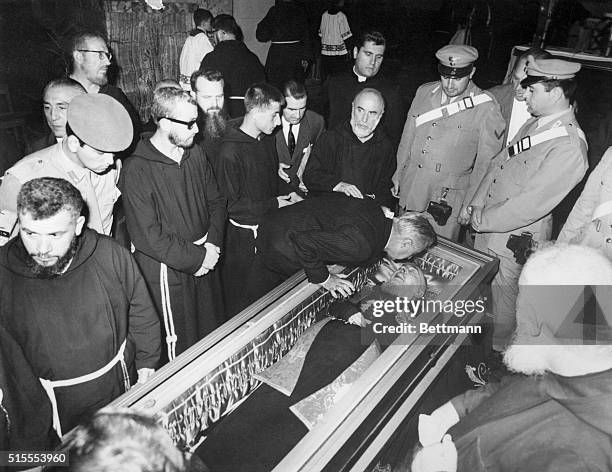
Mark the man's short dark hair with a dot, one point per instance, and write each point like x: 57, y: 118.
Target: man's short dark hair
x: 121, y: 440
x: 262, y: 95
x: 227, y: 23
x: 372, y: 36
x: 165, y: 100
x: 45, y: 197
x: 208, y: 74
x: 567, y: 85
x: 64, y: 82
x: 295, y: 89
x: 78, y: 40
x: 201, y: 16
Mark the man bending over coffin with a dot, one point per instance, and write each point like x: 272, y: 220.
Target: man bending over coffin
x: 332, y: 229
x: 76, y: 303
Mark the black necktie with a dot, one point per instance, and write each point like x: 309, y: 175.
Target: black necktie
x: 291, y: 140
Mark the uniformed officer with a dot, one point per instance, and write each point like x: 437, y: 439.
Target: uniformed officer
x: 590, y: 222
x: 527, y: 180
x: 452, y: 132
x: 98, y: 126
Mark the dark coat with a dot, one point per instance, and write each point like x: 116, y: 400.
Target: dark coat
x: 240, y: 68
x: 249, y: 180
x: 339, y: 156
x: 334, y: 229
x: 168, y: 207
x: 40, y: 143
x: 285, y: 21
x: 75, y: 323
x: 549, y: 423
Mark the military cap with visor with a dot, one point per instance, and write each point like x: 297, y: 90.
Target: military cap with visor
x: 456, y: 61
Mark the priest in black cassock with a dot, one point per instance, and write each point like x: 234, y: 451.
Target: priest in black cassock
x: 175, y: 217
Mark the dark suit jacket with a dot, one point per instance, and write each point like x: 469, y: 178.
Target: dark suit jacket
x: 311, y: 128
x: 40, y: 143
x: 332, y: 229
x: 504, y: 94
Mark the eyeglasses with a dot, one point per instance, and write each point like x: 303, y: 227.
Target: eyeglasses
x: 189, y: 124
x: 101, y: 54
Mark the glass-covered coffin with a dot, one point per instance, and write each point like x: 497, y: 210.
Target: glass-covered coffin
x: 238, y: 394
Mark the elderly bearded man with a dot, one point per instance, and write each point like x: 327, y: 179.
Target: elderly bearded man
x: 76, y: 303
x: 355, y: 158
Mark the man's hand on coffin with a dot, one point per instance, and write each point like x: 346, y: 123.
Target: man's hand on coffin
x: 439, y: 457
x: 433, y: 427
x: 281, y: 172
x: 144, y: 374
x: 338, y: 286
x: 348, y: 189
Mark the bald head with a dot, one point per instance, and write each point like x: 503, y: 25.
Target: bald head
x: 367, y: 111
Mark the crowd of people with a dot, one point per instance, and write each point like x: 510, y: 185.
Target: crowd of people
x: 124, y: 246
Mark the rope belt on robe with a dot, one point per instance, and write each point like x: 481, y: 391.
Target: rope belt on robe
x: 51, y: 385
x: 253, y: 228
x: 171, y: 337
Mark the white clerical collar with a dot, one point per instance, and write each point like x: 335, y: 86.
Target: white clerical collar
x: 360, y: 78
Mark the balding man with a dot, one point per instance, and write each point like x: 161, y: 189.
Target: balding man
x: 90, y: 60
x: 356, y: 157
x: 554, y: 416
x: 57, y: 95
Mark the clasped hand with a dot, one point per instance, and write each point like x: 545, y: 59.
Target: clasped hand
x: 210, y: 259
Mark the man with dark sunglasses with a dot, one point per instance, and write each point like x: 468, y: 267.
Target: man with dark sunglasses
x: 175, y: 218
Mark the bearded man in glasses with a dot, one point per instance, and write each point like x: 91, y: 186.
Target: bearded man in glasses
x: 91, y: 59
x: 175, y: 217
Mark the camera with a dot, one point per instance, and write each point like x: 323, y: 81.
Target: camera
x: 522, y: 246
x: 440, y: 211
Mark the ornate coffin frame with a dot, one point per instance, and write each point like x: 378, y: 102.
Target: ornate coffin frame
x: 353, y: 431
